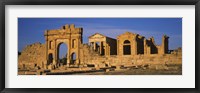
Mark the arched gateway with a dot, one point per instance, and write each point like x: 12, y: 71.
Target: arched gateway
x: 69, y: 35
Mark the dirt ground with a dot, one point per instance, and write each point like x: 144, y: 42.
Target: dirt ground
x: 150, y: 70
x: 172, y: 70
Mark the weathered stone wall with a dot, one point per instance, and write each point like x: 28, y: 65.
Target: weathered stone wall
x: 32, y: 56
x: 140, y: 44
x: 112, y: 45
x: 151, y: 43
x: 129, y: 60
x: 87, y: 54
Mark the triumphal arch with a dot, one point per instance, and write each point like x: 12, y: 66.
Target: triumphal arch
x: 68, y: 35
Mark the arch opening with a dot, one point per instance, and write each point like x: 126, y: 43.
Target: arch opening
x: 73, y: 58
x: 62, y: 53
x: 127, y: 47
x: 126, y: 42
x: 50, y: 58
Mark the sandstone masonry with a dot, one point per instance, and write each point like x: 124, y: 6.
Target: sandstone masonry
x: 128, y: 49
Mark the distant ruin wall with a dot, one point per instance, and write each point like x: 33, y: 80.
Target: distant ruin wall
x: 87, y: 54
x: 128, y: 60
x: 32, y: 56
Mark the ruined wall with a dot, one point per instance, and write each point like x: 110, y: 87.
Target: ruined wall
x: 87, y: 54
x: 140, y: 44
x: 151, y: 44
x: 113, y: 45
x: 165, y: 44
x: 32, y: 56
x: 92, y: 58
x: 138, y: 60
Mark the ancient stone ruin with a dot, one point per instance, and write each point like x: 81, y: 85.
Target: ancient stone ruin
x: 128, y: 49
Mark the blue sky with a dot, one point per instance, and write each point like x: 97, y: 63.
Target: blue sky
x: 31, y: 30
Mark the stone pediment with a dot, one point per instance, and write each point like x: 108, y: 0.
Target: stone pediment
x: 97, y: 35
x: 127, y: 34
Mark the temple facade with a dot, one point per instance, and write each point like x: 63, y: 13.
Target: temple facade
x: 103, y: 45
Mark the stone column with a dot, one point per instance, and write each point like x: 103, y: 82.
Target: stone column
x: 120, y: 48
x: 46, y: 48
x: 148, y: 50
x: 68, y: 57
x: 132, y: 44
x: 164, y: 46
x: 100, y: 48
x: 135, y: 47
x: 55, y: 53
x: 78, y: 51
x: 105, y: 50
x: 69, y: 52
x: 95, y: 46
x: 145, y: 47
